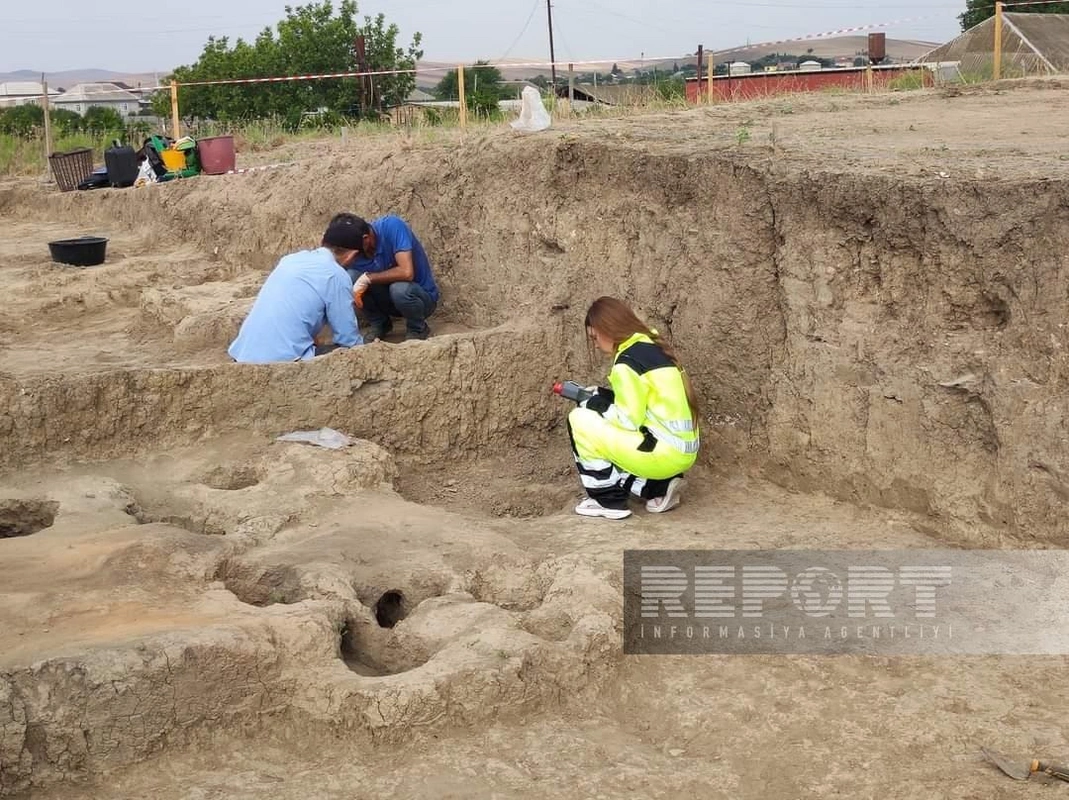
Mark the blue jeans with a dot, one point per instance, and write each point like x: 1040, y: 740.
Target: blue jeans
x: 405, y: 299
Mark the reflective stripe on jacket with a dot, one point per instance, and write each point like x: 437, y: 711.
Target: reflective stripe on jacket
x: 648, y: 392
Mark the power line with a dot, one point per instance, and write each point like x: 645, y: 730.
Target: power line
x: 516, y: 41
x: 567, y: 48
x: 635, y: 20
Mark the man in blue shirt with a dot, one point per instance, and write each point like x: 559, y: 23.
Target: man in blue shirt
x: 304, y: 291
x: 393, y: 274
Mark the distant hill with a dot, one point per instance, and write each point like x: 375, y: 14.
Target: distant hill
x: 69, y: 78
x: 833, y: 47
x: 430, y: 72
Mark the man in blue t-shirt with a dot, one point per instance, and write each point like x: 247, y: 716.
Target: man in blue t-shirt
x: 393, y: 275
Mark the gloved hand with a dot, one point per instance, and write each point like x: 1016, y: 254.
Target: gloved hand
x: 361, y: 286
x: 601, y: 399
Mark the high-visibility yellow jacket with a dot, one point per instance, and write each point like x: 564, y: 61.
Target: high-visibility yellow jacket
x: 649, y: 393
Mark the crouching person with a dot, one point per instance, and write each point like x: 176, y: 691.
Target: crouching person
x: 304, y: 292
x: 639, y: 436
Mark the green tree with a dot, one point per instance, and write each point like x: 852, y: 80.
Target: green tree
x: 479, y: 78
x: 65, y: 122
x: 312, y: 39
x: 482, y: 88
x: 976, y: 11
x: 100, y: 119
x: 22, y: 120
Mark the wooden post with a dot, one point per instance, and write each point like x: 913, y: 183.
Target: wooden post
x: 996, y: 72
x: 48, y: 120
x: 712, y: 67
x: 571, y: 88
x: 870, y: 83
x: 176, y: 126
x: 463, y: 104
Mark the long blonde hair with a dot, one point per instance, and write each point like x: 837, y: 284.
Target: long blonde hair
x: 615, y: 320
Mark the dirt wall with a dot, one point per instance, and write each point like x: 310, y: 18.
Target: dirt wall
x: 452, y: 397
x: 888, y: 340
x: 925, y: 362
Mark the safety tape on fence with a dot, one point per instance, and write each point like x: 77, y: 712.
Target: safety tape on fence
x: 1032, y: 3
x: 528, y: 64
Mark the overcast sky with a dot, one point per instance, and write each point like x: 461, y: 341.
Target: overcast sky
x: 137, y: 36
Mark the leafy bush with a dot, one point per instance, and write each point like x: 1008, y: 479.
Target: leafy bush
x: 103, y: 120
x: 22, y: 120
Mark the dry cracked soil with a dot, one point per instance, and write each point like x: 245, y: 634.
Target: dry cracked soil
x: 871, y: 294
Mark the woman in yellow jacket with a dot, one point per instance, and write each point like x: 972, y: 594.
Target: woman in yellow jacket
x: 639, y: 436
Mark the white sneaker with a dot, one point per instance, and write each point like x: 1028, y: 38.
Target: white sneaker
x: 659, y: 505
x: 592, y: 508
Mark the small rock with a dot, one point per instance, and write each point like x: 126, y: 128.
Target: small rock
x: 675, y: 752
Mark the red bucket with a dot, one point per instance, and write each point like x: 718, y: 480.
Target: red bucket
x: 216, y: 154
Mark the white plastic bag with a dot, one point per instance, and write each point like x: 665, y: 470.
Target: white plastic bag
x: 533, y: 115
x: 146, y: 174
x: 324, y: 437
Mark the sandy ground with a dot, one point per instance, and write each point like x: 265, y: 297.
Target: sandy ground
x: 984, y: 132
x: 194, y: 615
x: 148, y: 305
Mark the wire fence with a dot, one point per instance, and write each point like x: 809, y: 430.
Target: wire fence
x: 1014, y: 42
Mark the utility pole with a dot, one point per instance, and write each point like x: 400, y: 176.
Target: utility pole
x: 552, y: 55
x: 700, y: 51
x: 48, y: 121
x: 366, y: 88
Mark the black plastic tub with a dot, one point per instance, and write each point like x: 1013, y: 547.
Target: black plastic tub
x: 86, y: 251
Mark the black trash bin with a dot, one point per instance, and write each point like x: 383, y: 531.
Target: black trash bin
x: 85, y: 251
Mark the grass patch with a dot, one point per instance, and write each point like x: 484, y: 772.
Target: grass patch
x: 907, y: 83
x: 20, y: 156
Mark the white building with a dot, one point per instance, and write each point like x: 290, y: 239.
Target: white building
x: 19, y: 93
x: 107, y: 95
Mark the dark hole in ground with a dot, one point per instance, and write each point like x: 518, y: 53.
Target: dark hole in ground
x: 26, y: 517
x: 390, y: 609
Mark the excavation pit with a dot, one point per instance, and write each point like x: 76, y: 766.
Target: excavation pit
x: 375, y: 653
x: 873, y: 320
x: 26, y: 517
